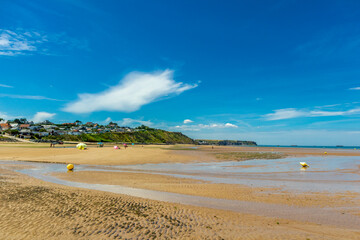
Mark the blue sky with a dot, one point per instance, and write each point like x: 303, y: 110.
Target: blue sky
x: 277, y: 72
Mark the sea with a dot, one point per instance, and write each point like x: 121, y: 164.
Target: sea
x: 302, y: 146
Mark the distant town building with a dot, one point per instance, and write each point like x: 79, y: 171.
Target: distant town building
x: 5, y: 126
x: 24, y: 126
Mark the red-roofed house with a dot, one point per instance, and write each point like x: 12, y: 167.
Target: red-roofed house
x: 71, y: 124
x: 4, y: 126
x: 24, y: 126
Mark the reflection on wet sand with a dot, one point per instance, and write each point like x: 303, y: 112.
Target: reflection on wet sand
x: 316, y: 215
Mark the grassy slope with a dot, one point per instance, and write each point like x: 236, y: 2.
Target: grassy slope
x: 147, y: 136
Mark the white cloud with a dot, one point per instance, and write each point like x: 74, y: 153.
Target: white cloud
x: 7, y: 116
x: 199, y: 127
x: 187, y: 121
x: 354, y: 88
x: 133, y: 122
x: 107, y: 120
x: 28, y: 97
x: 42, y: 116
x: 132, y: 92
x: 258, y: 99
x: 289, y: 113
x: 285, y: 113
x: 6, y: 86
x: 128, y: 122
x: 229, y: 125
x: 329, y: 106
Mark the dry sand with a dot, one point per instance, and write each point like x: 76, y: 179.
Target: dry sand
x: 93, y: 155
x: 140, y: 155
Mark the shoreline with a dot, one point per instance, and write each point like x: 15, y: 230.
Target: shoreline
x: 145, y: 154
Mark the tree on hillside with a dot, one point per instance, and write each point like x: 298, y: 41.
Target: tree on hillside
x: 144, y: 127
x: 23, y: 120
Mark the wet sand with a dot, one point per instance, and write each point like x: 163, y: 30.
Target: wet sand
x: 34, y: 209
x: 220, y: 191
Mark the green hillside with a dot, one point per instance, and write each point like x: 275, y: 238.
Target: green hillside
x: 155, y: 136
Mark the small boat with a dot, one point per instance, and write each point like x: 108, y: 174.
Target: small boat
x: 304, y: 164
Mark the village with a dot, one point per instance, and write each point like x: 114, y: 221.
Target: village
x: 22, y: 128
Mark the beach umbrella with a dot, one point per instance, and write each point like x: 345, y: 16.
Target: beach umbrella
x: 81, y: 146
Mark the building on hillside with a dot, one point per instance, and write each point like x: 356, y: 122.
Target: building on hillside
x: 5, y: 126
x: 47, y: 127
x: 14, y: 125
x: 69, y: 124
x: 24, y: 126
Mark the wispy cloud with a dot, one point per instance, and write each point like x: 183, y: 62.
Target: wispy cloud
x: 21, y: 42
x: 187, y: 121
x: 354, y: 88
x: 285, y: 113
x: 12, y: 43
x: 198, y: 127
x: 107, y: 120
x: 28, y: 97
x: 132, y: 92
x: 289, y: 113
x: 42, y: 116
x: 130, y: 122
x: 338, y: 41
x: 6, y: 116
x: 6, y: 86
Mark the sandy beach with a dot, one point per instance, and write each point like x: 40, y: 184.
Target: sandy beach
x: 37, y: 209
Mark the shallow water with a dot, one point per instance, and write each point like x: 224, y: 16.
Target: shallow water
x: 317, y: 215
x: 325, y: 174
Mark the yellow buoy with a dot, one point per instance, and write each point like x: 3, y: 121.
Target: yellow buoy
x: 70, y: 166
x: 304, y: 164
